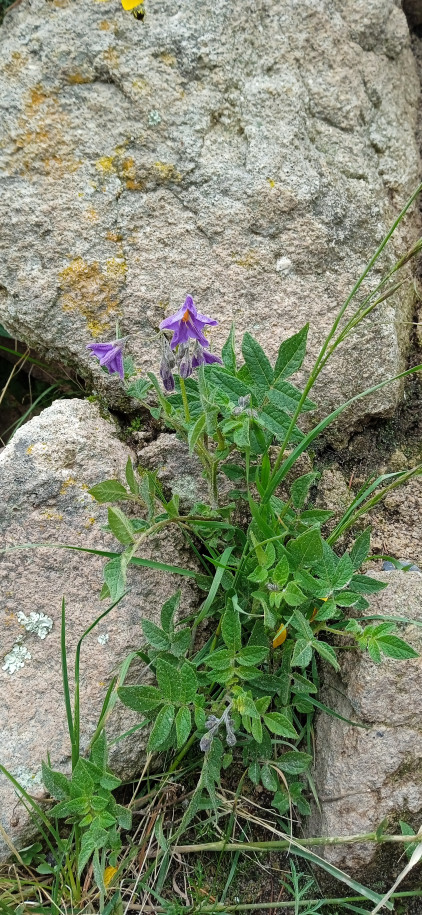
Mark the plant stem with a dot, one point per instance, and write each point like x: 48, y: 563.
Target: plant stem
x: 260, y: 906
x: 280, y: 844
x: 183, y: 752
x: 184, y: 398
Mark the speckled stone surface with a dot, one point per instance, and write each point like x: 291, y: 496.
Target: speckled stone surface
x: 45, y: 473
x: 364, y: 776
x: 251, y: 153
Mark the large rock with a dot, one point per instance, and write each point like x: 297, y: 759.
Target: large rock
x: 364, y: 776
x: 45, y: 473
x: 252, y: 154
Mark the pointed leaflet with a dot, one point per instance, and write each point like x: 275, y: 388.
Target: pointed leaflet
x: 183, y: 725
x: 257, y: 362
x: 168, y: 610
x: 162, y: 727
x: 109, y: 491
x: 360, y: 548
x: 307, y: 549
x: 131, y: 478
x: 120, y: 526
x: 285, y: 396
x: 291, y: 354
x: 231, y: 630
x: 169, y: 680
x: 228, y: 353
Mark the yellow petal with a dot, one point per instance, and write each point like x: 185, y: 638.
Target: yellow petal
x: 280, y: 636
x: 109, y: 871
x: 130, y: 4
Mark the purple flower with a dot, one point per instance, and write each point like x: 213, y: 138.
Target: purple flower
x: 187, y: 324
x: 201, y: 356
x: 110, y: 355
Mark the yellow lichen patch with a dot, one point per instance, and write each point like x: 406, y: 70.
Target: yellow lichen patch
x: 30, y: 449
x: 93, y: 291
x: 104, y: 25
x: 249, y: 260
x: 271, y: 182
x: 121, y: 165
x: 105, y: 164
x: 91, y: 214
x: 141, y: 85
x: 76, y: 79
x: 111, y: 57
x: 52, y: 516
x: 168, y: 59
x: 41, y: 144
x: 16, y: 63
x: 114, y: 236
x: 65, y: 486
x: 167, y: 171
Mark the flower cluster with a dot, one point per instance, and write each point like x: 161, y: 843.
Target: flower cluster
x: 213, y: 724
x: 185, y: 325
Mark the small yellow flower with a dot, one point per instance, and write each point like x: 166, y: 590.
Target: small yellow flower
x: 130, y: 4
x: 109, y: 871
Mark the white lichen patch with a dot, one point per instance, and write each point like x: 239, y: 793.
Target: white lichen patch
x: 28, y: 780
x: 38, y: 623
x: 16, y: 658
x: 103, y: 638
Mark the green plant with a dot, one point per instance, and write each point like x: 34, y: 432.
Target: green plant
x: 238, y: 681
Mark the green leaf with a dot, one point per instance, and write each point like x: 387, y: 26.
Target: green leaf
x: 162, y: 727
x: 294, y: 762
x: 407, y: 830
x: 360, y: 548
x: 302, y: 625
x: 374, y: 651
x: 120, y: 526
x: 139, y: 388
x: 286, y: 397
x: 254, y: 772
x: 293, y: 596
x: 299, y: 490
x: 115, y: 577
x: 278, y: 422
x: 280, y: 574
x: 269, y: 778
x: 347, y: 599
x: 131, y: 478
x: 168, y: 610
x: 279, y: 724
x: 142, y: 699
x: 256, y: 728
x: 95, y: 837
x: 365, y: 584
x: 123, y: 816
x: 56, y: 783
x: 327, y: 652
x: 78, y: 806
x: 291, y: 354
x: 228, y: 383
x: 183, y: 725
x: 231, y: 630
x: 98, y: 753
x: 343, y: 573
x: 307, y: 549
x: 397, y: 648
x: 181, y: 642
x: 196, y: 431
x: 189, y: 683
x: 169, y: 680
x: 258, y: 575
x: 257, y: 362
x: 109, y: 491
x: 252, y: 654
x: 155, y: 636
x: 228, y: 354
x: 302, y: 653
